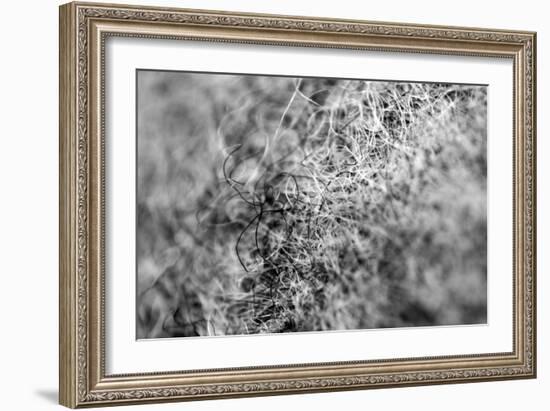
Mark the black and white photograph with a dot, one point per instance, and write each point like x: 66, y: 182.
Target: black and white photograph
x: 273, y: 204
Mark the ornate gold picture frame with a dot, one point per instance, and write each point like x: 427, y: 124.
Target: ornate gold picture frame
x: 84, y: 30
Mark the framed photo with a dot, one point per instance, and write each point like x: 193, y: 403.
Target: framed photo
x: 259, y: 204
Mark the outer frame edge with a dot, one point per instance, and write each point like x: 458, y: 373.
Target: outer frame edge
x: 67, y: 176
